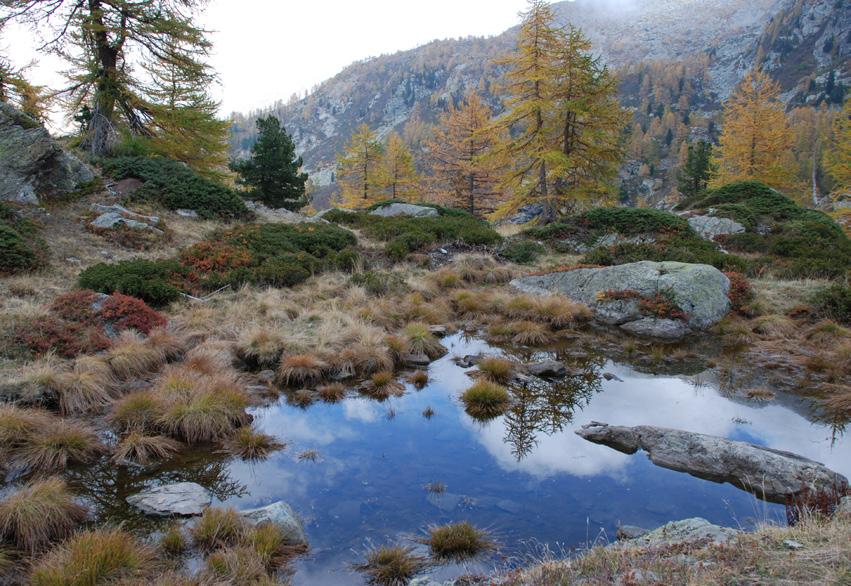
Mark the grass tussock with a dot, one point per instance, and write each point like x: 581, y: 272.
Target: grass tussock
x: 332, y: 393
x: 384, y: 384
x: 419, y: 379
x: 95, y: 557
x: 422, y: 341
x: 18, y: 425
x: 131, y: 356
x: 57, y: 445
x: 270, y: 543
x: 236, y: 565
x: 260, y: 347
x: 485, y: 400
x: 391, y: 565
x: 249, y: 444
x: 38, y: 514
x: 173, y: 542
x: 458, y: 541
x: 88, y: 387
x: 138, y: 448
x: 301, y: 370
x: 136, y: 412
x: 529, y: 333
x: 219, y: 528
x: 498, y: 370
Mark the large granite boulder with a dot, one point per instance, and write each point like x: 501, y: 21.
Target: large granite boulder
x: 686, y: 531
x: 404, y: 209
x: 769, y: 474
x: 184, y: 499
x: 282, y: 515
x: 658, y: 299
x: 710, y: 227
x: 32, y: 164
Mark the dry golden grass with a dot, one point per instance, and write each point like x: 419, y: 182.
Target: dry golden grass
x: 218, y: 528
x: 250, y: 444
x: 419, y: 379
x: 138, y: 448
x: 130, y: 356
x: 139, y: 412
x: 260, y: 347
x: 38, y: 514
x: 332, y: 393
x: 498, y: 370
x: 458, y: 541
x: 529, y: 333
x: 88, y: 387
x: 485, y: 400
x: 301, y: 369
x: 57, y: 444
x: 422, y: 341
x: 384, y: 384
x: 236, y: 565
x: 391, y: 565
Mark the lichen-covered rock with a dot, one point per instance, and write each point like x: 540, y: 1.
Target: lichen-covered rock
x: 686, y: 531
x: 404, y: 209
x: 619, y: 295
x: 32, y: 164
x: 282, y: 515
x: 710, y: 227
x: 183, y: 499
x: 769, y: 474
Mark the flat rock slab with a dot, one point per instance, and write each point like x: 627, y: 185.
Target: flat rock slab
x: 769, y: 474
x: 694, y: 530
x: 615, y: 294
x: 710, y: 227
x: 282, y: 515
x: 404, y: 209
x: 183, y: 499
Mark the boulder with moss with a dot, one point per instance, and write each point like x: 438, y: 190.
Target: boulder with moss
x: 657, y: 299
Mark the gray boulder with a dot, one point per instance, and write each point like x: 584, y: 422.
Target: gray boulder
x: 404, y: 209
x: 687, y: 531
x: 184, y: 499
x: 527, y: 213
x: 282, y: 515
x: 121, y: 210
x: 772, y: 475
x: 698, y: 291
x: 32, y: 164
x: 710, y: 227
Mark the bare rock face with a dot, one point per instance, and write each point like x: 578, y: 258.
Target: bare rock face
x: 183, y: 499
x: 696, y: 292
x: 772, y: 475
x: 690, y: 531
x: 32, y: 164
x: 710, y: 227
x: 404, y: 209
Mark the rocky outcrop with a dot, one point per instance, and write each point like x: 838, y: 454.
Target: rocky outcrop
x: 113, y: 216
x: 686, y: 531
x: 33, y: 165
x: 404, y: 209
x: 658, y: 299
x: 184, y: 499
x: 710, y: 227
x: 281, y: 515
x: 772, y: 475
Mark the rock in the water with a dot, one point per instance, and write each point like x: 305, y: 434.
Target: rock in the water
x: 404, y: 209
x: 547, y: 369
x: 769, y: 474
x: 32, y: 164
x: 695, y: 530
x: 696, y: 293
x: 182, y: 499
x: 282, y: 515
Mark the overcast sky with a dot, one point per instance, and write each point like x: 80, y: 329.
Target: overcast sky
x: 266, y: 50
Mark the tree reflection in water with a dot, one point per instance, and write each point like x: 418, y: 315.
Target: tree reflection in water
x: 105, y: 486
x: 546, y: 407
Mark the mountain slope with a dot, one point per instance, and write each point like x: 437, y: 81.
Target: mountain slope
x: 407, y: 90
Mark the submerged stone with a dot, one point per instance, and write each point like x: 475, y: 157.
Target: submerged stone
x: 282, y: 515
x: 184, y: 499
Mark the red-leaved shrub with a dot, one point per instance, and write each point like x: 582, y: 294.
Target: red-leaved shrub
x: 740, y: 293
x: 124, y: 312
x: 68, y: 339
x: 76, y: 306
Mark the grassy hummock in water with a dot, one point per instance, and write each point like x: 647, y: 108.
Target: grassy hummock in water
x: 391, y: 565
x: 485, y: 400
x: 458, y: 541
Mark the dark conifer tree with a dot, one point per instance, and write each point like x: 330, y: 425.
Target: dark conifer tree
x: 694, y: 176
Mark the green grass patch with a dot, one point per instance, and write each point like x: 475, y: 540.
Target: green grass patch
x: 21, y: 247
x: 176, y: 186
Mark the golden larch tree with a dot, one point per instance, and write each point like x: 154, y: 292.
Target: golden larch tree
x: 398, y: 176
x: 838, y: 156
x: 359, y: 169
x: 756, y: 141
x: 466, y: 175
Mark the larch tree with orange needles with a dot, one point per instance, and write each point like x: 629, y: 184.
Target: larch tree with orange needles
x: 359, y: 169
x: 398, y: 176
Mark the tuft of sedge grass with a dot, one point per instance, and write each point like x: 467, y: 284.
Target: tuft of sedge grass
x: 218, y: 528
x: 529, y: 333
x: 271, y: 544
x: 138, y: 448
x: 260, y: 347
x: 301, y: 369
x: 391, y: 565
x: 560, y: 312
x: 419, y: 379
x: 422, y: 341
x: 838, y: 399
x: 397, y: 346
x: 302, y: 398
x: 760, y: 394
x: 498, y: 370
x: 5, y: 562
x: 58, y: 444
x: 236, y: 565
x: 86, y: 388
x: 39, y: 514
x: 446, y: 279
x: 170, y: 346
x: 17, y: 425
x: 383, y: 384
x: 104, y: 556
x: 362, y: 359
x: 139, y: 412
x: 457, y: 541
x: 520, y: 307
x: 470, y: 304
x: 131, y: 357
x: 208, y: 414
x: 500, y: 332
x: 173, y: 542
x: 250, y: 444
x: 332, y: 393
x: 485, y: 400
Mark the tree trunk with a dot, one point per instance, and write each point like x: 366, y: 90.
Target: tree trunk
x: 101, y: 135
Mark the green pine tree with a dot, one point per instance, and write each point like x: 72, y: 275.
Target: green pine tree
x: 273, y: 172
x: 694, y: 176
